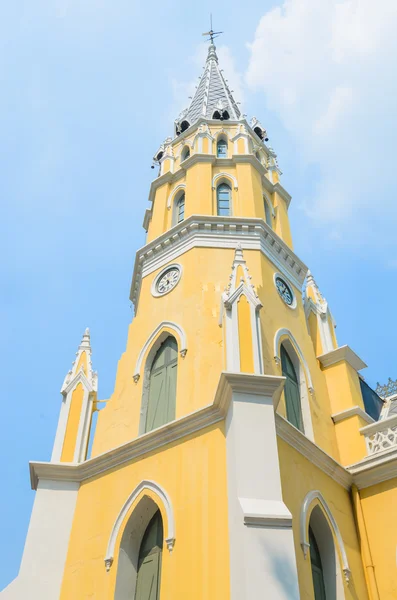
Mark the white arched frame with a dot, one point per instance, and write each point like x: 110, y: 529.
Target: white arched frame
x: 224, y: 178
x: 306, y: 509
x: 284, y: 336
x: 174, y: 194
x: 169, y: 327
x: 165, y: 501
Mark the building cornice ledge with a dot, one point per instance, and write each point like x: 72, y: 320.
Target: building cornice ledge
x: 278, y: 188
x: 312, y: 452
x: 209, y: 231
x: 208, y: 415
x: 379, y: 425
x: 339, y: 354
x: 350, y: 412
x: 375, y: 469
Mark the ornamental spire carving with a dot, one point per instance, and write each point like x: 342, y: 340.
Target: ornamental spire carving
x: 240, y: 281
x: 82, y: 364
x: 212, y: 100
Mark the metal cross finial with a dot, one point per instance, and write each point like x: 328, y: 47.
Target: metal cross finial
x: 213, y: 34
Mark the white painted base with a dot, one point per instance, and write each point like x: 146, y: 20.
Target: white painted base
x: 43, y: 561
x: 262, y: 554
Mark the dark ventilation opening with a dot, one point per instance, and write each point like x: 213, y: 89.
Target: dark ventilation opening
x: 225, y: 115
x: 372, y: 403
x: 185, y: 125
x: 216, y: 115
x: 259, y: 132
x: 160, y: 155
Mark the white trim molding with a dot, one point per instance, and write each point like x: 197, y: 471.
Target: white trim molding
x: 381, y: 436
x: 265, y: 513
x: 304, y: 520
x: 199, y: 231
x: 375, y: 468
x: 174, y: 192
x: 342, y: 353
x: 313, y: 453
x: 228, y: 176
x: 165, y: 501
x: 168, y: 325
x: 350, y: 412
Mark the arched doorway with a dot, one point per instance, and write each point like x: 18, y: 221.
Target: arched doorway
x: 149, y: 561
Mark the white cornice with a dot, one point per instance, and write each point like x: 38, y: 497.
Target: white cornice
x: 379, y: 425
x: 350, y: 412
x: 228, y: 383
x: 312, y: 452
x: 147, y: 218
x: 375, y: 469
x: 342, y: 353
x: 216, y: 232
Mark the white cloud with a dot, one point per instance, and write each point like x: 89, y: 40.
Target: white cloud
x: 327, y: 69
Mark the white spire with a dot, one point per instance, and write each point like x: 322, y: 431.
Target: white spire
x: 212, y: 97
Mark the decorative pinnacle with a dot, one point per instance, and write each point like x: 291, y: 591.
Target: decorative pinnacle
x: 85, y: 342
x: 211, y: 33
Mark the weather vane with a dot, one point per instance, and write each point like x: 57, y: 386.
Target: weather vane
x: 211, y: 33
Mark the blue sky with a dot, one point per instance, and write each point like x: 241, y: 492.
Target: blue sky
x: 89, y: 91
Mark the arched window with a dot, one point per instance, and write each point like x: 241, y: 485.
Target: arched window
x: 184, y: 125
x: 162, y: 385
x: 291, y: 391
x: 221, y: 148
x: 317, y: 568
x: 268, y: 212
x: 149, y: 561
x: 180, y: 209
x: 223, y: 195
x: 185, y: 153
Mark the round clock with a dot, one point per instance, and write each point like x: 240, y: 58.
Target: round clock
x: 284, y: 291
x: 166, y: 280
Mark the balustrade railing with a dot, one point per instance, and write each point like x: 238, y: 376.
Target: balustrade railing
x: 381, y: 436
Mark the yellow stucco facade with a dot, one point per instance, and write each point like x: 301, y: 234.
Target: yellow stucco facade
x: 273, y: 443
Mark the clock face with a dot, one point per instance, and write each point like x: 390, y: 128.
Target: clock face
x: 285, y: 291
x: 168, y: 280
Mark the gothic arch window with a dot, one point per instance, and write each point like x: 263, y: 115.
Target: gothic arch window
x: 162, y: 385
x: 268, y: 212
x: 291, y: 390
x: 185, y: 153
x: 221, y: 148
x: 222, y: 115
x: 223, y: 200
x: 140, y: 553
x: 179, y: 209
x: 327, y: 575
x: 149, y: 561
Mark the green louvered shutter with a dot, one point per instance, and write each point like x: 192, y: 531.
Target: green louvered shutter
x: 291, y: 390
x: 149, y: 563
x: 317, y: 568
x: 162, y: 390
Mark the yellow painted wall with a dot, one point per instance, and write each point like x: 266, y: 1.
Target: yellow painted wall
x: 343, y: 386
x: 194, y: 476
x: 72, y: 426
x: 82, y: 362
x: 298, y: 477
x: 351, y: 443
x: 379, y: 504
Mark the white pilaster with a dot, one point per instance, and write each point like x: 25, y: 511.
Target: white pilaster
x: 44, y: 556
x: 262, y: 554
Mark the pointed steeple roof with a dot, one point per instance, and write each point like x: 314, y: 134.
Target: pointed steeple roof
x: 212, y: 96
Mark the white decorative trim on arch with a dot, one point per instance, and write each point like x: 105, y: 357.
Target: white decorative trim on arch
x: 170, y: 325
x: 304, y: 519
x: 173, y: 194
x: 303, y: 374
x: 277, y: 344
x: 228, y: 176
x: 166, y: 502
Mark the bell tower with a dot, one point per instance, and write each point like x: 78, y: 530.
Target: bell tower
x: 223, y: 454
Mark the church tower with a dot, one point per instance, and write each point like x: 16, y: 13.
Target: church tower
x: 235, y: 459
